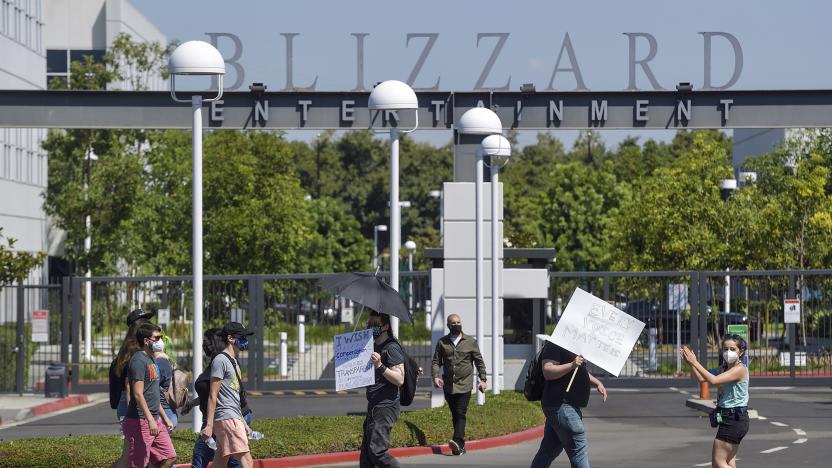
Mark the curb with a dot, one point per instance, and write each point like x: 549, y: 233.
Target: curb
x: 399, y: 452
x: 707, y: 406
x: 51, y: 407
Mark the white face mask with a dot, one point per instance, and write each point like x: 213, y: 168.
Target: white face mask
x: 730, y: 356
x: 157, y: 346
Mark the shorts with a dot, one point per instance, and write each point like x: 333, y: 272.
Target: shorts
x: 231, y: 436
x: 144, y: 448
x: 732, y: 429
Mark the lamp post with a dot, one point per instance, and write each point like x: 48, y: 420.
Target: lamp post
x: 479, y: 121
x: 88, y: 274
x: 410, y: 246
x: 388, y: 97
x: 499, y: 150
x: 376, y: 229
x: 441, y: 196
x: 196, y: 58
x: 727, y: 188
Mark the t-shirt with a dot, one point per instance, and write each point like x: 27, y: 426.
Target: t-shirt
x: 554, y: 391
x: 383, y: 392
x: 228, y: 398
x: 165, y: 376
x: 143, y: 367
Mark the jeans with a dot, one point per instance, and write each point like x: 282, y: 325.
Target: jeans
x: 458, y: 403
x: 203, y: 454
x: 376, y: 442
x: 172, y: 416
x: 564, y: 430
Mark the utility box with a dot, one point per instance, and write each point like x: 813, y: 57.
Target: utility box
x: 56, y: 385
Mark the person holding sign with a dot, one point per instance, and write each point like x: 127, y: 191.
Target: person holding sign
x: 457, y: 353
x: 565, y: 392
x: 731, y: 413
x: 383, y: 396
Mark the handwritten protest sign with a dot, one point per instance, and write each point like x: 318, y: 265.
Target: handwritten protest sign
x: 599, y: 331
x: 353, y: 368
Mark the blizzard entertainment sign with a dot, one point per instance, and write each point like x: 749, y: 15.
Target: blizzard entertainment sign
x: 643, y: 49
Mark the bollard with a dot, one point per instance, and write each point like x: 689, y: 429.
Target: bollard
x: 284, y: 355
x: 301, y: 333
x: 704, y: 391
x: 428, y: 323
x: 652, y: 365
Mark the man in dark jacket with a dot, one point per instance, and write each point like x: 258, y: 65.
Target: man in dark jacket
x: 457, y: 353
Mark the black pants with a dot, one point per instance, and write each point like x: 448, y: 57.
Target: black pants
x: 458, y: 402
x: 376, y: 442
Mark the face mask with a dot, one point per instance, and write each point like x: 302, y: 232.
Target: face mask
x: 242, y: 343
x: 376, y: 330
x: 730, y: 356
x: 455, y: 329
x: 157, y: 346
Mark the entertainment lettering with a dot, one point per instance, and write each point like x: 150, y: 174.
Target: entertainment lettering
x: 599, y: 331
x: 353, y: 368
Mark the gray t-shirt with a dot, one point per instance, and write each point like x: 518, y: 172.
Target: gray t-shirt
x: 143, y: 367
x: 228, y: 399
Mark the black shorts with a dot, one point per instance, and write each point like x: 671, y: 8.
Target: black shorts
x: 733, y: 428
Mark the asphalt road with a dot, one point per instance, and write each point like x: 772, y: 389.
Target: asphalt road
x: 635, y: 427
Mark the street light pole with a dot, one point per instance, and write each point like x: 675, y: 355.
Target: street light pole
x: 390, y: 96
x: 376, y: 229
x: 196, y: 58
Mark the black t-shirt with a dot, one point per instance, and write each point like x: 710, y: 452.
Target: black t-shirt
x: 554, y: 391
x: 383, y: 392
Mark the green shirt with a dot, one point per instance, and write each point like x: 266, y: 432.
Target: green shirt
x: 458, y: 363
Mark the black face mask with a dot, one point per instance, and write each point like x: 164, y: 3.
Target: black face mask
x: 455, y: 329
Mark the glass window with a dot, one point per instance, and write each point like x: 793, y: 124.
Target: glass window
x: 56, y: 61
x: 56, y: 81
x: 78, y: 55
x: 517, y: 321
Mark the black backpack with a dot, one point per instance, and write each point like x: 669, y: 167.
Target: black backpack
x: 412, y: 371
x: 533, y: 388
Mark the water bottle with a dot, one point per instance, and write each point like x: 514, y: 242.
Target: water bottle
x: 211, y: 443
x: 255, y: 435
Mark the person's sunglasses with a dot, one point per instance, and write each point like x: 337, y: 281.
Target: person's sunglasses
x: 155, y: 338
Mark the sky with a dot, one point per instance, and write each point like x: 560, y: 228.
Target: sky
x: 784, y: 43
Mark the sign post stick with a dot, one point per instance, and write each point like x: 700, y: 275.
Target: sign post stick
x: 572, y: 379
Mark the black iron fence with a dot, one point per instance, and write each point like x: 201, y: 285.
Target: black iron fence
x: 295, y: 321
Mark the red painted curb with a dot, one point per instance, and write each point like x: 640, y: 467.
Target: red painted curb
x: 400, y: 452
x: 63, y: 403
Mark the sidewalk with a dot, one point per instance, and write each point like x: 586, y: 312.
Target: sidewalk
x: 16, y: 409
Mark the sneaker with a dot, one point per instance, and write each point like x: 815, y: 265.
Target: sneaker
x: 461, y: 451
x: 455, y: 448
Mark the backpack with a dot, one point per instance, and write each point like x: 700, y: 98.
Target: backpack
x: 178, y: 393
x: 412, y: 371
x: 116, y: 386
x: 533, y: 388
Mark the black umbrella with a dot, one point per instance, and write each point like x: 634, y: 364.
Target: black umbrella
x: 370, y: 291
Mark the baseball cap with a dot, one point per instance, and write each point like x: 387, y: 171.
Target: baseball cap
x: 235, y: 328
x: 139, y: 314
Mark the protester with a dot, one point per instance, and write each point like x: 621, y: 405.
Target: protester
x: 147, y: 441
x: 202, y: 454
x: 457, y: 353
x: 731, y: 413
x: 165, y: 379
x: 564, y: 428
x: 224, y: 415
x: 383, y: 396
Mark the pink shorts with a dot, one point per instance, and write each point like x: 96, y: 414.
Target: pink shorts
x: 144, y: 448
x: 231, y: 436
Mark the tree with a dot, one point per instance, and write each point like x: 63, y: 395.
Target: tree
x: 15, y: 266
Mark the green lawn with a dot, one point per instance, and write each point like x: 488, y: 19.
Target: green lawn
x: 502, y: 414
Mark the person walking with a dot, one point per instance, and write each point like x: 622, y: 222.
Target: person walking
x: 731, y: 413
x: 224, y: 418
x: 165, y: 365
x: 457, y: 354
x: 383, y: 396
x: 145, y: 427
x: 564, y: 429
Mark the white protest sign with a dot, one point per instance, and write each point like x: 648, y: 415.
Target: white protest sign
x: 791, y: 311
x: 40, y: 326
x: 599, y: 331
x: 353, y: 368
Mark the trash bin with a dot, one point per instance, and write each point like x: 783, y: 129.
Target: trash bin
x: 55, y: 386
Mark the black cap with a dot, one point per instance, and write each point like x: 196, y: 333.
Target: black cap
x: 138, y: 314
x: 235, y: 328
